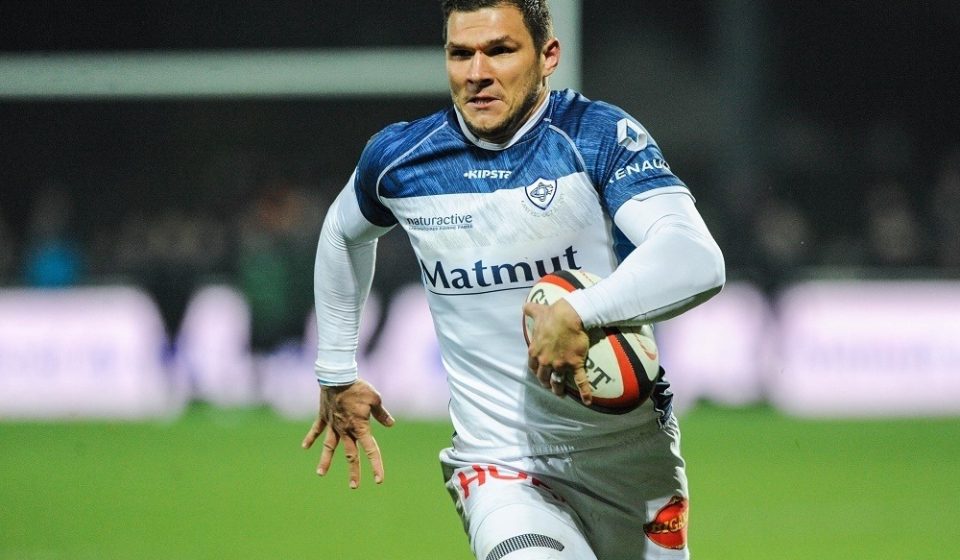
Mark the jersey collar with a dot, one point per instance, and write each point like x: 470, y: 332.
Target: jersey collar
x: 531, y: 122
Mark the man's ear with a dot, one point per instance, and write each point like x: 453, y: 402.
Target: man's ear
x: 551, y: 56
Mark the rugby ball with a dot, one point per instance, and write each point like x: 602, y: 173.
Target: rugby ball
x: 623, y: 363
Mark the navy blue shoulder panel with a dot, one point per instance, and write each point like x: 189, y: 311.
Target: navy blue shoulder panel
x: 621, y: 157
x: 382, y: 151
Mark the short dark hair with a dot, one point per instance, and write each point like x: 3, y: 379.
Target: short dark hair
x: 536, y: 15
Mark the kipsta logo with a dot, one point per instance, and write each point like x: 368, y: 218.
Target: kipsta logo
x: 669, y: 527
x: 541, y: 192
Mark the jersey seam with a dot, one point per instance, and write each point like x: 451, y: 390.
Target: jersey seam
x: 396, y: 161
x: 573, y: 145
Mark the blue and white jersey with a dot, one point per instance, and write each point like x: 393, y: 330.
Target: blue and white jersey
x: 486, y: 222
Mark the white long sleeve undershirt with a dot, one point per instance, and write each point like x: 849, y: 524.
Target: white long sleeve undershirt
x: 343, y: 273
x: 675, y: 266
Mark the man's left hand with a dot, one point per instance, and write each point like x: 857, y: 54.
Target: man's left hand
x: 558, y: 347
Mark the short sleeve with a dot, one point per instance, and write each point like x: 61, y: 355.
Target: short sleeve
x: 367, y: 177
x: 626, y: 161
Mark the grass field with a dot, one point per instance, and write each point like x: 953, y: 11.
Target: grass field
x: 235, y: 484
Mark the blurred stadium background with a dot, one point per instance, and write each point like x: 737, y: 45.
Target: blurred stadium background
x: 164, y: 170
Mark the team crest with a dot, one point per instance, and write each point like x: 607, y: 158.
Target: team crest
x: 542, y: 192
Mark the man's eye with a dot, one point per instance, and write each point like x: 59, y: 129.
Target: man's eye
x: 459, y: 54
x: 498, y: 50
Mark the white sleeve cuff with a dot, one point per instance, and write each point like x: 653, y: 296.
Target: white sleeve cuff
x: 338, y: 368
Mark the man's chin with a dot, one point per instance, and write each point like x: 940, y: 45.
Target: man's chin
x: 487, y: 131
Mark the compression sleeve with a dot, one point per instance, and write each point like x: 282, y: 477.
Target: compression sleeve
x: 675, y: 266
x: 343, y: 273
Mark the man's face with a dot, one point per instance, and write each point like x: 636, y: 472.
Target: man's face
x: 497, y: 77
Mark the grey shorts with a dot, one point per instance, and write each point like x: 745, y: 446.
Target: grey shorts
x: 625, y: 501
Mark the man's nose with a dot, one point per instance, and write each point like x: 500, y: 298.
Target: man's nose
x: 479, y: 69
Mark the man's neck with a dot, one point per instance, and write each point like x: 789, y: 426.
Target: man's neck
x: 531, y: 120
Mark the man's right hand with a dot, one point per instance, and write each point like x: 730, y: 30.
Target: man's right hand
x: 346, y: 411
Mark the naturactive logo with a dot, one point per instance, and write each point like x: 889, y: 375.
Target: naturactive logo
x: 449, y: 221
x: 480, y: 276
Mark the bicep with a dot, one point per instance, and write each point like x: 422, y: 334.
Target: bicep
x: 639, y: 219
x: 346, y: 219
x: 674, y: 266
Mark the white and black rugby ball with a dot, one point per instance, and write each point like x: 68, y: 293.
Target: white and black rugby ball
x: 623, y: 363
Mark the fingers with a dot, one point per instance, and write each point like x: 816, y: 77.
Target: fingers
x: 350, y: 451
x: 329, y: 446
x: 583, y: 385
x: 553, y: 379
x: 370, y: 447
x: 313, y: 433
x: 531, y: 309
x: 534, y: 364
x: 543, y: 373
x: 353, y: 461
x: 531, y: 314
x: 558, y: 383
x: 382, y: 416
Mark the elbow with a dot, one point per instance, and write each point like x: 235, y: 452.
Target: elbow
x: 719, y: 269
x: 703, y: 268
x: 713, y: 270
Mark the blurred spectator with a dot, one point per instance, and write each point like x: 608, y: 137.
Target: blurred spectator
x: 8, y: 251
x: 52, y: 255
x: 782, y: 240
x: 169, y: 253
x: 278, y: 237
x: 945, y: 212
x: 893, y: 232
x: 888, y: 148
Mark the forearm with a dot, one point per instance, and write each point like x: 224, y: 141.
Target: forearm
x: 343, y: 274
x: 675, y: 266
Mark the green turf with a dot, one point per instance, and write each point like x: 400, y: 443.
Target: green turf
x: 234, y: 484
x: 766, y: 486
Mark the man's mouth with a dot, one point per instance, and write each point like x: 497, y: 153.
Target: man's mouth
x: 481, y: 101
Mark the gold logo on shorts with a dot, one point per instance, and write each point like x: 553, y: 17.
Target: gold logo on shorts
x: 669, y: 527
